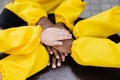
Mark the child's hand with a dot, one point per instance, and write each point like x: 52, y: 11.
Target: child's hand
x: 67, y: 44
x: 52, y: 36
x: 66, y: 47
x: 56, y: 57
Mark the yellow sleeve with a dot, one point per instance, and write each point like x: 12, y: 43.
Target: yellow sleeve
x: 21, y: 40
x: 29, y: 10
x: 91, y: 51
x: 100, y: 25
x: 69, y: 11
x: 91, y: 46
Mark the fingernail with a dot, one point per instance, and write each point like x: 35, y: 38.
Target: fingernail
x: 53, y: 66
x: 58, y: 64
x: 66, y: 54
x: 51, y: 52
x: 48, y: 64
x: 63, y: 59
x: 57, y: 57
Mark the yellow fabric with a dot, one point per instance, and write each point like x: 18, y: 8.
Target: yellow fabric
x: 20, y: 67
x: 29, y: 11
x: 20, y: 40
x: 91, y: 46
x: 69, y: 11
x: 32, y: 10
x: 27, y: 57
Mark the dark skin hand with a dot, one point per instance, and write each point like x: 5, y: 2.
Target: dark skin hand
x: 66, y: 47
x: 56, y: 57
x: 64, y: 50
x: 57, y: 53
x: 67, y: 44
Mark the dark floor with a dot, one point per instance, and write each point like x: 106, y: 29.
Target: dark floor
x: 72, y: 71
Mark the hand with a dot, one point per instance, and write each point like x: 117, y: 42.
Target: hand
x: 46, y: 23
x: 65, y: 47
x: 56, y: 57
x: 67, y: 44
x: 52, y: 36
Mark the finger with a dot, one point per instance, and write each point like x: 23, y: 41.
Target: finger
x: 56, y: 54
x: 49, y: 63
x: 66, y: 54
x: 63, y: 34
x: 53, y: 62
x: 49, y: 50
x: 56, y: 30
x: 59, y: 62
x: 63, y: 37
x: 56, y: 43
x: 63, y: 59
x: 62, y: 55
x: 63, y: 31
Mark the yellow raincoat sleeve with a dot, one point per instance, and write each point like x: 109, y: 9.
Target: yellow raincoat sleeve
x: 69, y: 11
x: 91, y: 46
x: 29, y: 10
x: 21, y: 40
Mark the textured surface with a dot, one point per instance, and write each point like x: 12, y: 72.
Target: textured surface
x: 96, y: 6
x: 93, y: 6
x: 72, y: 71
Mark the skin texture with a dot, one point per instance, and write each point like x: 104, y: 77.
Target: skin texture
x: 52, y: 36
x: 66, y: 46
x: 57, y: 53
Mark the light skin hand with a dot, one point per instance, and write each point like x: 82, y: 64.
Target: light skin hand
x: 67, y: 44
x: 52, y: 36
x: 57, y: 57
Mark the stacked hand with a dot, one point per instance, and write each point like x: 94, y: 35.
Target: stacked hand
x: 52, y: 36
x: 57, y: 40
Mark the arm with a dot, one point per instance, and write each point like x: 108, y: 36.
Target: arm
x: 19, y: 40
x: 68, y: 13
x: 91, y: 47
x: 101, y: 25
x: 29, y: 11
x: 45, y: 23
x: 91, y: 51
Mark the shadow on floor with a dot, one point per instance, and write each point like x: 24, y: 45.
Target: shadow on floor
x: 72, y: 71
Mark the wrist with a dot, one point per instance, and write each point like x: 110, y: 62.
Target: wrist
x: 45, y: 23
x: 60, y: 24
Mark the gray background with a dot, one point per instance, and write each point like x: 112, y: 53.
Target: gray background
x: 93, y: 6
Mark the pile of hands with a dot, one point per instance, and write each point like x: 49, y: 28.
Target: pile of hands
x: 57, y: 40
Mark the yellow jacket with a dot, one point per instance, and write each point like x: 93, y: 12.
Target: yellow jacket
x: 28, y: 55
x: 91, y: 46
x: 66, y: 11
x: 19, y: 40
